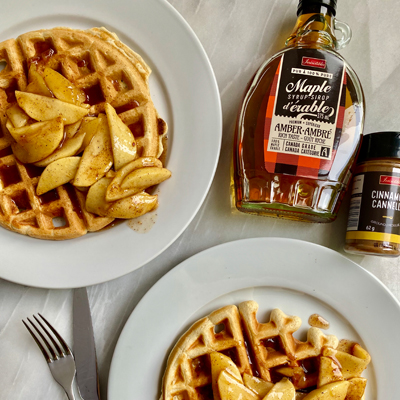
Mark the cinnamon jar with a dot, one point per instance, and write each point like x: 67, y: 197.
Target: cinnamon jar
x: 374, y: 217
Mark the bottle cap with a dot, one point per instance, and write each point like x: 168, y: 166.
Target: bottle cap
x: 331, y: 4
x: 380, y: 145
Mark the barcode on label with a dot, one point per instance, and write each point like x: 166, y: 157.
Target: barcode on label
x: 354, y: 213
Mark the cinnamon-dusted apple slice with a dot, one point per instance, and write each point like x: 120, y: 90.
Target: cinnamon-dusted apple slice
x: 132, y: 206
x: 37, y: 141
x: 334, y: 390
x: 145, y: 177
x: 220, y: 362
x: 17, y: 116
x: 96, y: 197
x: 352, y: 365
x: 97, y: 158
x: 63, y: 89
x: 283, y: 390
x: 37, y: 85
x: 231, y: 389
x: 115, y: 191
x: 69, y: 148
x: 122, y: 139
x: 42, y: 108
x: 90, y: 127
x: 329, y: 369
x: 57, y: 173
x: 257, y: 385
x: 356, y: 389
x: 72, y: 129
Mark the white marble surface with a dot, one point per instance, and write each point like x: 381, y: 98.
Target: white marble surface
x: 237, y: 35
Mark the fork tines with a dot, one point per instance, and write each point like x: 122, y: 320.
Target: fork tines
x: 58, y: 350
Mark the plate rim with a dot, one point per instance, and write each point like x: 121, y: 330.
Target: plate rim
x: 52, y: 281
x: 172, y: 275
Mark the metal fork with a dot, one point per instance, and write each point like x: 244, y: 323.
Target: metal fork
x: 59, y: 356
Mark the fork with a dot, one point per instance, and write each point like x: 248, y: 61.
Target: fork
x: 59, y: 356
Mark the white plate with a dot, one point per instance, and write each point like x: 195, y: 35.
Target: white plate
x: 298, y: 277
x: 186, y: 95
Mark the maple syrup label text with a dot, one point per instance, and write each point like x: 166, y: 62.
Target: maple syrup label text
x: 303, y: 113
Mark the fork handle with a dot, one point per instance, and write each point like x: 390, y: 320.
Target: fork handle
x: 70, y: 393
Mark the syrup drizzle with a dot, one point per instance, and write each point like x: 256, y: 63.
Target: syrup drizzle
x: 144, y: 223
x: 9, y: 175
x: 21, y: 200
x: 126, y: 107
x: 317, y: 321
x: 94, y: 95
x: 49, y: 197
x: 43, y: 52
x: 10, y: 92
x: 137, y: 129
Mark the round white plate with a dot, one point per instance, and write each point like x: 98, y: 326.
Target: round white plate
x: 186, y: 95
x: 298, y: 277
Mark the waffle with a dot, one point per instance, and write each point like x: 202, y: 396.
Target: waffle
x: 263, y: 350
x: 108, y: 72
x: 54, y: 215
x: 274, y: 346
x: 188, y: 373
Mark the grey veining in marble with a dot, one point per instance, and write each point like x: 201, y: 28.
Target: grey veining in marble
x: 238, y: 35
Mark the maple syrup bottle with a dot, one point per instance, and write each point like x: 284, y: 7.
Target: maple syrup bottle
x: 300, y: 124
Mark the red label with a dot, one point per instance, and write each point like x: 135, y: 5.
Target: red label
x: 389, y: 180
x: 301, y: 130
x: 313, y: 62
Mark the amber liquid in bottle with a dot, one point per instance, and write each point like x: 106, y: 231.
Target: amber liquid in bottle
x: 298, y: 187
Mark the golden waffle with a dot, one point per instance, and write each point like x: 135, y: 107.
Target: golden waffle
x: 54, y: 215
x: 264, y: 350
x: 274, y: 346
x: 188, y: 373
x: 107, y: 71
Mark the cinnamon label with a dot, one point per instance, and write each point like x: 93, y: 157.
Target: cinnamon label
x: 375, y: 207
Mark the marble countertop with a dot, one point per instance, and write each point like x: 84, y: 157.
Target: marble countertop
x: 238, y: 35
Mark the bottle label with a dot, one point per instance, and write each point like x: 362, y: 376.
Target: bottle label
x: 375, y: 207
x: 305, y: 113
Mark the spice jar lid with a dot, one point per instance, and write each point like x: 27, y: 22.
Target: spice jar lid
x: 380, y: 145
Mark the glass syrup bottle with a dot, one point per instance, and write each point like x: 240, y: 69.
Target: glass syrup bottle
x: 300, y: 124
